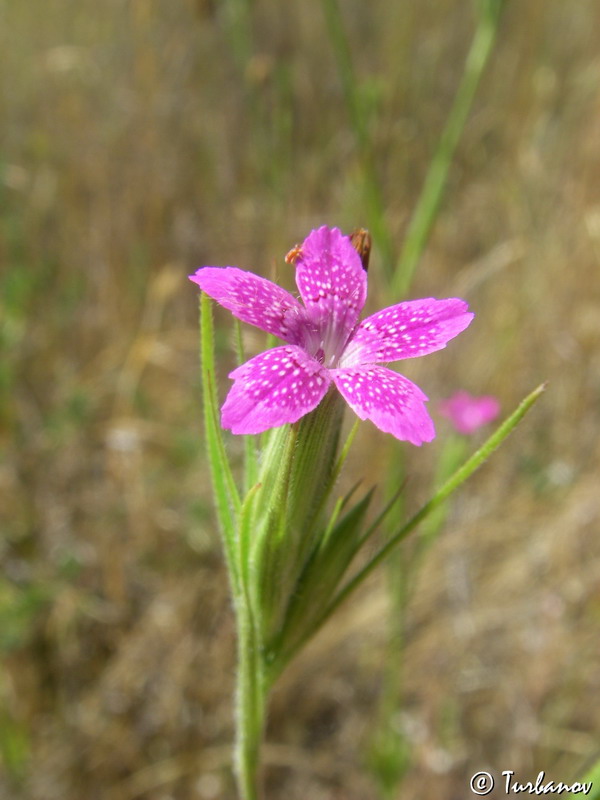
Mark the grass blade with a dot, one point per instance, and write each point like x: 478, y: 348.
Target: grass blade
x: 435, y: 181
x: 373, y: 196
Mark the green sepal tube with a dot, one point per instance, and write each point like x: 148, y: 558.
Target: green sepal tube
x: 286, y: 512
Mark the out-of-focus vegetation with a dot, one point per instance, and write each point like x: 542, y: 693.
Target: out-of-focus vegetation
x: 142, y: 139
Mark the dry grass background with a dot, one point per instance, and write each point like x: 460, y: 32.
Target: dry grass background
x: 143, y: 139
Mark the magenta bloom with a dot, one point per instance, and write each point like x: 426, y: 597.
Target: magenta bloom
x: 468, y: 413
x: 326, y: 343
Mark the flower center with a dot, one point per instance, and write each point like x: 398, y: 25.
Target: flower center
x: 325, y: 344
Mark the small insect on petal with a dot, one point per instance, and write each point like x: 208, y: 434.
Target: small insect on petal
x: 294, y: 254
x: 361, y: 242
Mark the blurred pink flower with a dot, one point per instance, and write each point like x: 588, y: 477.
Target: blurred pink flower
x: 468, y: 413
x: 325, y: 343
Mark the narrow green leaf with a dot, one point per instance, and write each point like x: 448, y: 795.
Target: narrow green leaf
x: 341, y: 544
x: 342, y: 457
x: 227, y: 500
x: 383, y: 515
x: 333, y: 518
x: 246, y: 529
x: 224, y: 461
x: 350, y: 494
x: 459, y: 477
x: 322, y: 540
x: 319, y: 579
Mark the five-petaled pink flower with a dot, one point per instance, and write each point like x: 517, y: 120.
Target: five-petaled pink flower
x: 468, y: 413
x: 326, y: 343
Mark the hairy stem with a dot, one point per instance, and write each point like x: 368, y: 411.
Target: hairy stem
x: 251, y: 702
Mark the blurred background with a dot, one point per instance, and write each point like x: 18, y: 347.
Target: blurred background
x: 143, y: 139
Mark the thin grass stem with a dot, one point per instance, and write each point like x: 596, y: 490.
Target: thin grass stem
x: 373, y: 195
x: 437, y: 175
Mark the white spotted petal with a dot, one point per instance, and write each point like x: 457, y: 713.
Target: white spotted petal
x: 325, y: 342
x: 333, y: 286
x: 407, y: 330
x: 273, y: 388
x: 254, y: 300
x: 392, y: 402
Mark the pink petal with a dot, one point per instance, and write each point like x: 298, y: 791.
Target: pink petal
x: 274, y: 387
x: 392, y: 402
x: 255, y: 300
x: 468, y: 413
x: 331, y: 280
x: 407, y: 330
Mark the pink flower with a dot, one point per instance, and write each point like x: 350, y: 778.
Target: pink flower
x: 326, y: 344
x: 467, y: 413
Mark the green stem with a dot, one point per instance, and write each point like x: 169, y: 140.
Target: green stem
x: 435, y: 182
x: 251, y: 700
x: 389, y: 747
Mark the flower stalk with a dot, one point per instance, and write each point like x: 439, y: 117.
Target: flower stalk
x: 274, y: 539
x: 251, y: 699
